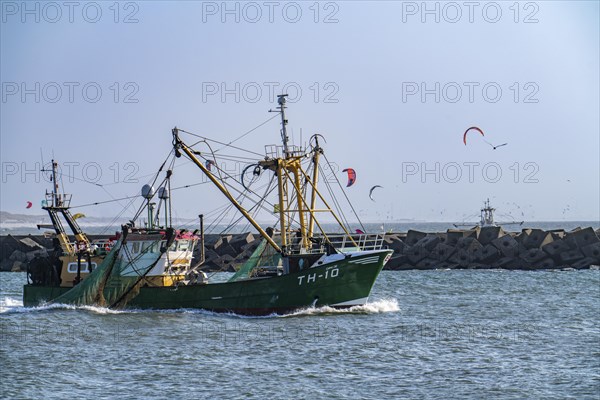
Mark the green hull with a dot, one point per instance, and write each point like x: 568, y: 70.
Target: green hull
x: 341, y: 283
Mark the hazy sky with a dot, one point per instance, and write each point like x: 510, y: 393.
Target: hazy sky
x: 391, y: 85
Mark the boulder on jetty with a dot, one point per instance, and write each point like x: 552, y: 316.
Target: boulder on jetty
x: 489, y: 233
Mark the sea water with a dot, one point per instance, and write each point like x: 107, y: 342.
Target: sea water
x: 423, y: 334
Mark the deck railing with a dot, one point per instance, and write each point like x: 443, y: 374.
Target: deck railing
x: 277, y: 151
x: 342, y: 243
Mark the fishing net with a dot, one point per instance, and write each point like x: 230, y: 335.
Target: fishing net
x: 118, y: 278
x: 264, y: 255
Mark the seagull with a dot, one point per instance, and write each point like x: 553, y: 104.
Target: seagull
x: 495, y: 147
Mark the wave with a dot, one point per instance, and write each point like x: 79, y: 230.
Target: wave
x: 10, y: 305
x: 376, y: 307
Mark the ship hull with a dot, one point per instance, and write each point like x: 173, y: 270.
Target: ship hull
x: 341, y: 283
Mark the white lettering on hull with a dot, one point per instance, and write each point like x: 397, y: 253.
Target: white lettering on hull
x: 331, y: 272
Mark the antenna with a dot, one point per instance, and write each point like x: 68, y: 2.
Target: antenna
x: 42, y: 158
x: 281, y: 110
x: 164, y: 195
x: 148, y: 194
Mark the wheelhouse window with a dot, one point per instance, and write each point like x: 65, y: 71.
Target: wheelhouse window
x: 72, y: 267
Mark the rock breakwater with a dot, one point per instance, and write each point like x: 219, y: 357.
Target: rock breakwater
x: 482, y: 248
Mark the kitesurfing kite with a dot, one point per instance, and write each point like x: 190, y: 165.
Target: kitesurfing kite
x: 371, y: 191
x: 467, y: 131
x: 29, y: 204
x: 78, y: 215
x: 351, y: 176
x: 482, y: 134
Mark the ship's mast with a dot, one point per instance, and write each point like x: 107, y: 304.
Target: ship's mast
x: 315, y: 178
x: 292, y: 181
x: 289, y: 174
x: 284, y: 121
x: 60, y: 202
x: 56, y: 200
x: 487, y: 214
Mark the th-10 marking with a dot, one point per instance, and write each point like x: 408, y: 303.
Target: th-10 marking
x: 311, y: 278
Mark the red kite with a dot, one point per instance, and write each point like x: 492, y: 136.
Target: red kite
x: 351, y: 176
x: 467, y: 131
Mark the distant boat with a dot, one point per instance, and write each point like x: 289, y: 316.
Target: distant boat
x: 487, y: 218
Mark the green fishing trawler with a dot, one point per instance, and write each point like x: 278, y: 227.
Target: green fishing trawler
x: 296, y: 265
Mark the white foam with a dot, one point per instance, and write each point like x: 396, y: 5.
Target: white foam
x: 376, y: 307
x: 9, y: 304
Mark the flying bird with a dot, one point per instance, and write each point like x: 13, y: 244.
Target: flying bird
x: 495, y: 147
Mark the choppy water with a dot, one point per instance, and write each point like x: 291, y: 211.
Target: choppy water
x: 424, y: 334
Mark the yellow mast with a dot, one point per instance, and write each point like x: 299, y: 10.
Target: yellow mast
x: 315, y: 179
x: 60, y: 202
x: 289, y: 172
x: 300, y: 197
x: 180, y: 145
x: 282, y: 203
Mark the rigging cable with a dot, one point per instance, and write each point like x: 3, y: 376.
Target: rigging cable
x: 250, y: 131
x: 221, y: 143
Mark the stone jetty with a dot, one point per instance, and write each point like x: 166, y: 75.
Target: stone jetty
x: 492, y: 248
x: 481, y: 248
